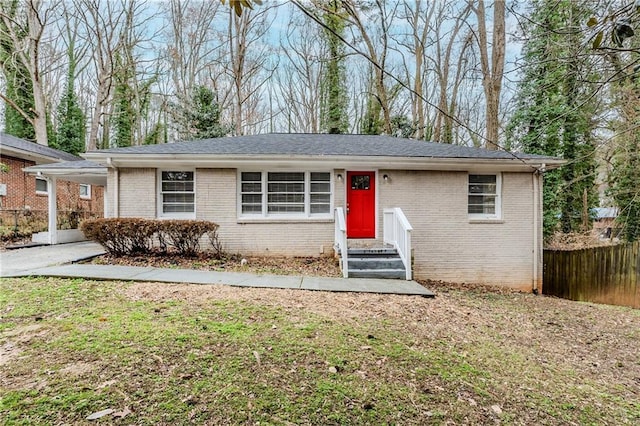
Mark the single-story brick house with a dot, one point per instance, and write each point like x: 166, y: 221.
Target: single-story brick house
x: 21, y: 192
x: 453, y: 213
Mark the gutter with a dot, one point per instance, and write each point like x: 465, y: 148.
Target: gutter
x: 337, y: 161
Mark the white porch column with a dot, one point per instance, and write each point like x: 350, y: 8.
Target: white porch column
x: 105, y: 201
x: 53, y: 210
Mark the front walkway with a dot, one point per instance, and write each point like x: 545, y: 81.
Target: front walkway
x: 14, y: 262
x: 29, y: 262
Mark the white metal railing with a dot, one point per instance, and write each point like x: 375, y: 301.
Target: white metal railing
x: 340, y: 239
x: 397, y: 232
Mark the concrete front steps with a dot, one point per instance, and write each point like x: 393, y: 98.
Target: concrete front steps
x: 375, y: 263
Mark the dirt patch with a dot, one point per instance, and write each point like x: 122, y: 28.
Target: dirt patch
x: 77, y: 369
x: 17, y: 337
x: 323, y: 266
x: 8, y: 352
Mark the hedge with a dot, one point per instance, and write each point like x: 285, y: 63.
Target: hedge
x: 128, y: 236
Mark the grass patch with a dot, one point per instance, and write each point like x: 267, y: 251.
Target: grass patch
x: 209, y: 356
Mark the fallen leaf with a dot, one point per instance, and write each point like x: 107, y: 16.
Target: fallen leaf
x: 99, y: 414
x: 257, y: 356
x: 496, y: 409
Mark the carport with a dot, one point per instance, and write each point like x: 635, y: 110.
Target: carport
x: 85, y: 172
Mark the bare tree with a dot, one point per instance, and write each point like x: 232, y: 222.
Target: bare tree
x: 193, y: 45
x: 492, y: 67
x: 102, y: 24
x: 419, y: 17
x: 114, y: 30
x: 248, y: 65
x: 376, y: 42
x: 25, y: 29
x: 300, y: 74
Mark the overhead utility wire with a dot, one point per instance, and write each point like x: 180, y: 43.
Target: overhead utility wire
x: 403, y: 84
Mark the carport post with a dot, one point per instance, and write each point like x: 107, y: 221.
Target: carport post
x: 53, y: 210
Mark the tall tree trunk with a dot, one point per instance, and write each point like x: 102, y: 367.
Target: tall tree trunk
x: 378, y: 59
x: 492, y: 70
x: 27, y: 52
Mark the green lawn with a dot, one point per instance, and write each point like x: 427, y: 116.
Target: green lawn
x: 180, y: 354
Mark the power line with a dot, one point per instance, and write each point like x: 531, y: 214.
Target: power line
x: 311, y: 15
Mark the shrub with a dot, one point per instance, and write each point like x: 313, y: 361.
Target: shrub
x: 121, y: 235
x: 126, y: 236
x: 184, y: 235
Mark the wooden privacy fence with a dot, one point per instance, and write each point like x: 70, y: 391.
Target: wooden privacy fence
x: 608, y: 275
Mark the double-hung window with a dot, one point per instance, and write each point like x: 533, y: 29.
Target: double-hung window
x: 285, y: 194
x: 177, y: 194
x: 484, y: 196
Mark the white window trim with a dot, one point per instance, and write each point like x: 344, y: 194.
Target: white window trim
x: 307, y: 216
x: 160, y: 214
x: 38, y: 192
x: 88, y: 195
x: 497, y: 216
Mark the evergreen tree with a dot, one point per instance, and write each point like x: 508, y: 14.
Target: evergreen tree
x: 70, y: 135
x: 199, y: 117
x: 333, y: 114
x: 555, y: 112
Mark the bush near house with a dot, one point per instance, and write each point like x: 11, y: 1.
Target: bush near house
x: 127, y: 236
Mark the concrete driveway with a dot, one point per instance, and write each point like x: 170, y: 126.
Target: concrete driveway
x: 13, y: 262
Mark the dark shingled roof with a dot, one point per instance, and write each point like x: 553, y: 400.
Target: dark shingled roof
x: 320, y: 145
x: 34, y: 148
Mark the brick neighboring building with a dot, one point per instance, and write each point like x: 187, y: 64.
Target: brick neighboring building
x: 22, y: 191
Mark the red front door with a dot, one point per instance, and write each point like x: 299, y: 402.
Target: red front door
x: 361, y: 205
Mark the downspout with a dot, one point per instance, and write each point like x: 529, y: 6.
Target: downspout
x: 535, y: 233
x: 536, y: 226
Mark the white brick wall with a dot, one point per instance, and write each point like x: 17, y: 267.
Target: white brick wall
x: 447, y: 245
x: 216, y: 201
x: 450, y: 247
x: 137, y: 197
